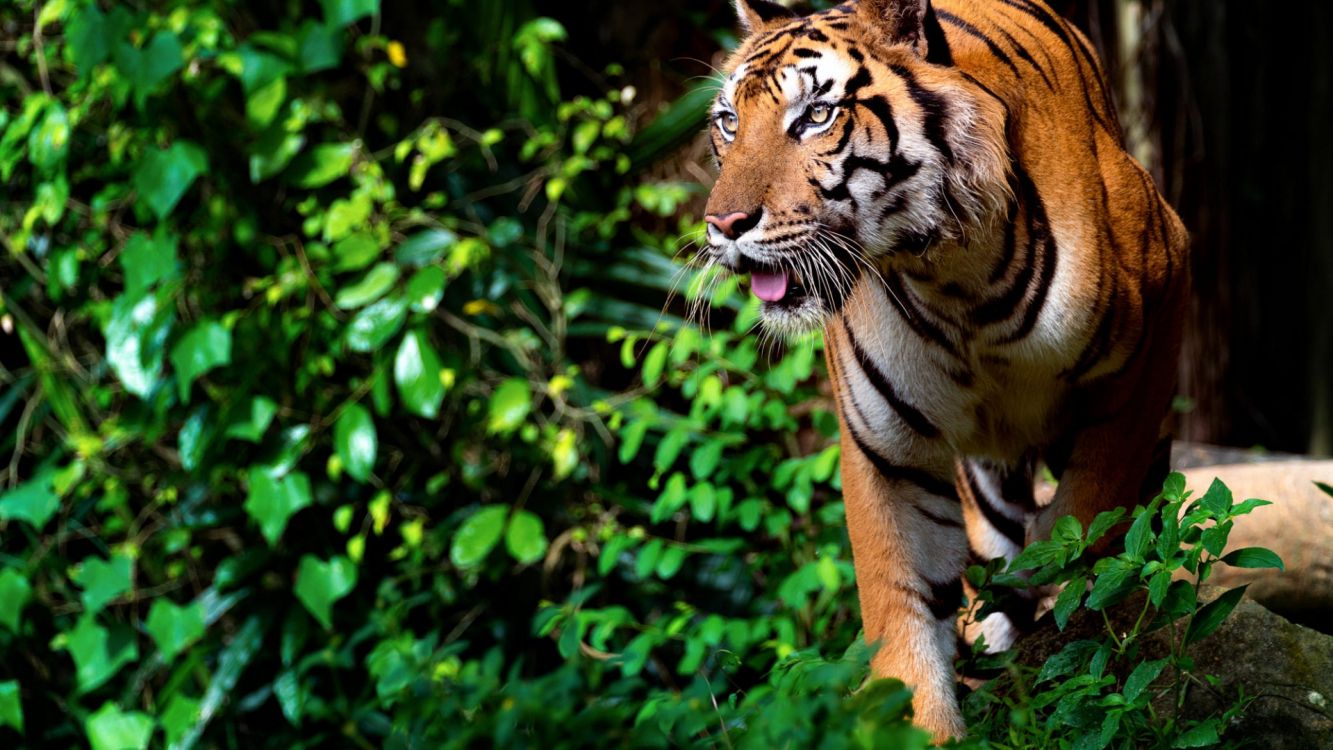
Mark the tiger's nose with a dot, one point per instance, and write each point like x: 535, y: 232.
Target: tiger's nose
x: 736, y: 223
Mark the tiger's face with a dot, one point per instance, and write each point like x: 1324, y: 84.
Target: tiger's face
x: 837, y: 150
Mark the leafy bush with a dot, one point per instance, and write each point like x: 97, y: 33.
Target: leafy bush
x: 344, y: 404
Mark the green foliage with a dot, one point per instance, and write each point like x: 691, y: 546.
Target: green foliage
x: 1100, y: 693
x: 375, y: 311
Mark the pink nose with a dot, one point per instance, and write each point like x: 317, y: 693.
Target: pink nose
x: 734, y: 224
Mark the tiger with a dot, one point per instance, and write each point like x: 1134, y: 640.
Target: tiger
x: 943, y: 189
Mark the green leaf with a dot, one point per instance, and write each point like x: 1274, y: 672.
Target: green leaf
x: 356, y: 441
x: 1067, y: 529
x: 509, y: 407
x: 426, y: 247
x: 1253, y: 557
x: 343, y: 12
x: 1210, y: 617
x: 375, y: 284
x: 416, y: 372
x: 426, y: 289
x: 253, y: 422
x: 136, y: 335
x: 1068, y: 601
x: 1111, y: 586
x: 148, y: 67
x: 323, y: 164
x: 355, y: 251
x: 272, y: 501
x: 564, y: 454
x: 262, y: 106
x: 49, y: 141
x: 1217, y: 500
x: 15, y: 591
x: 654, y: 363
x: 1174, y: 486
x: 668, y: 450
x: 319, y: 585
x: 1142, y: 677
x: 90, y: 37
x: 705, y: 459
x: 204, y: 347
x: 147, y: 259
x: 1201, y: 735
x: 163, y: 176
x: 113, y: 729
x: 104, y: 580
x: 174, y: 627
x: 478, y: 535
x: 181, y: 713
x: 1139, y: 538
x: 319, y: 46
x: 1158, y: 587
x: 273, y: 152
x: 526, y: 537
x: 376, y: 324
x: 1324, y: 487
x: 98, y: 653
x: 11, y: 707
x: 33, y: 502
x: 1103, y: 523
x: 1067, y: 660
x: 670, y: 562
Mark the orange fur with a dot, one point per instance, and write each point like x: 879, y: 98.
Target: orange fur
x: 997, y: 280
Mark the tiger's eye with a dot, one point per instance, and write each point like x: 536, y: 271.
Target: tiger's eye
x: 727, y: 121
x: 818, y: 114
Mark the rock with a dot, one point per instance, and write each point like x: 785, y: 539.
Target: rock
x: 1289, y: 668
x: 1298, y: 526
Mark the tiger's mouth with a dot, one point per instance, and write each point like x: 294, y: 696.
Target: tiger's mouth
x: 775, y: 285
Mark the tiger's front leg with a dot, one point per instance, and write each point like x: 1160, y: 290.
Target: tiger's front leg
x: 909, y: 550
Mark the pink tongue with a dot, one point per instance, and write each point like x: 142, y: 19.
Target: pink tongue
x: 769, y: 287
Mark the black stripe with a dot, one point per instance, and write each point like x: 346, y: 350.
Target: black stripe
x: 936, y: 110
x: 1011, y: 529
x: 803, y: 52
x: 902, y: 301
x: 768, y: 11
x: 1049, y: 257
x: 937, y: 46
x: 973, y: 31
x: 1056, y: 27
x: 1023, y: 53
x: 908, y: 413
x: 883, y: 111
x: 945, y: 599
x: 924, y: 480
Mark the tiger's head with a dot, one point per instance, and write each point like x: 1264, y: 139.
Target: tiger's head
x: 841, y: 139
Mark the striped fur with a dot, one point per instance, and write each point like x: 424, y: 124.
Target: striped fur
x: 997, y: 281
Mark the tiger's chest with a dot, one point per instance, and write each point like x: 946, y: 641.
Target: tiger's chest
x: 918, y: 376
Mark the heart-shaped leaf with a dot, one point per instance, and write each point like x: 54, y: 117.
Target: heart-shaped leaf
x: 175, y: 627
x: 272, y: 501
x: 104, y: 580
x: 320, y: 584
x: 206, y: 346
x: 113, y: 729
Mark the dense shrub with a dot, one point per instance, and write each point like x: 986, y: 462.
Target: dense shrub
x: 344, y: 403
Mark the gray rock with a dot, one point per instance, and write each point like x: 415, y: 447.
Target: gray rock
x: 1288, y: 667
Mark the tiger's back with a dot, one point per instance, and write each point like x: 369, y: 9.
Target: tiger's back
x: 944, y: 191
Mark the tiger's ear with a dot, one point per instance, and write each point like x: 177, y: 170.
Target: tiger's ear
x: 755, y: 14
x: 902, y: 21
